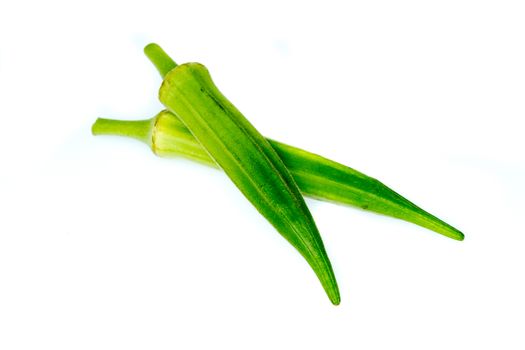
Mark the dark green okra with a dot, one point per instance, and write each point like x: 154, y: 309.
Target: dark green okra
x: 316, y: 176
x: 249, y: 161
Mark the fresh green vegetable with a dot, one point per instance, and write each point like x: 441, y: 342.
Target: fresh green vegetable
x: 201, y: 124
x: 249, y: 161
x: 316, y: 176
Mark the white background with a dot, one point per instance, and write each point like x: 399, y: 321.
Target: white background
x: 105, y: 246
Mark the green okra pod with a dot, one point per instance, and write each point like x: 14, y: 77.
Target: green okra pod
x: 316, y: 176
x: 249, y: 161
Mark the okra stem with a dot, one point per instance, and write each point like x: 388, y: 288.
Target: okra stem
x: 162, y: 61
x: 137, y: 129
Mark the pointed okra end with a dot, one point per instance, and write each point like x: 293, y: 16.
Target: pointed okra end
x: 412, y: 213
x: 440, y: 227
x: 455, y: 234
x: 335, y: 298
x: 329, y: 283
x: 424, y: 219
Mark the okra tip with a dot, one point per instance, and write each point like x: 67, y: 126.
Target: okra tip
x: 336, y: 300
x: 459, y: 236
x: 441, y: 227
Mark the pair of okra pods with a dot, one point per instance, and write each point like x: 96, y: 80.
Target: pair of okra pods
x: 201, y: 124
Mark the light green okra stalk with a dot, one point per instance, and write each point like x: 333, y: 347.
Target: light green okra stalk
x: 249, y: 161
x: 316, y: 176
